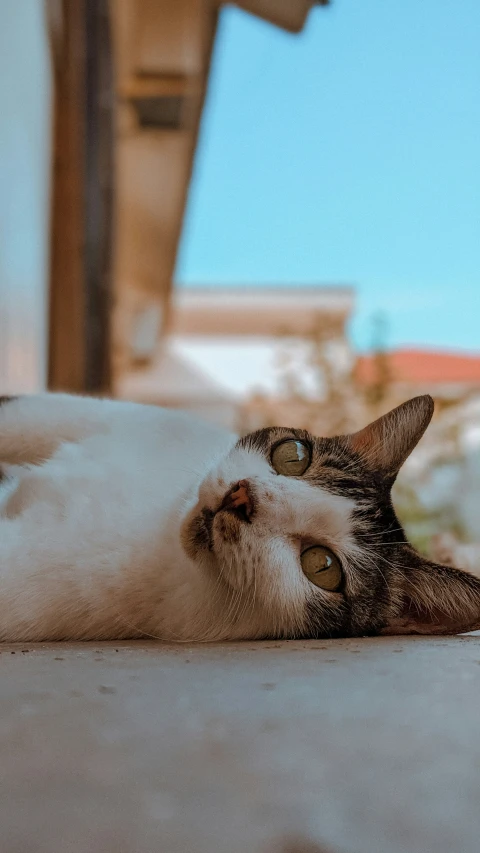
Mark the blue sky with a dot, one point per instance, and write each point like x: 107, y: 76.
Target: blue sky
x: 347, y: 154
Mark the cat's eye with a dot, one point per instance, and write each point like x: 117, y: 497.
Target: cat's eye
x: 322, y: 567
x: 291, y: 458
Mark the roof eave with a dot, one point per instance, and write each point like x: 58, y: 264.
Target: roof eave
x: 290, y: 15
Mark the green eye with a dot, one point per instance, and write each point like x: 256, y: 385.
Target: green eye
x: 291, y: 458
x: 322, y: 567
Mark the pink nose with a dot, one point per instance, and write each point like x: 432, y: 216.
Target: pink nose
x: 239, y: 500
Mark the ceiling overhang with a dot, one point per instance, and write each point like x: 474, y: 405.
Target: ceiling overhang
x: 289, y: 14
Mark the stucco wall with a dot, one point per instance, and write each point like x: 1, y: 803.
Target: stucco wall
x: 25, y: 118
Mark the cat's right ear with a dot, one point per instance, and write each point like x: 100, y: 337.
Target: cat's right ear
x: 434, y: 599
x: 385, y: 444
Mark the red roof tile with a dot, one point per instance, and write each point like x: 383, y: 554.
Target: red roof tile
x: 424, y: 366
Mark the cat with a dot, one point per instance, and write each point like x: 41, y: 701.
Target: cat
x: 119, y: 520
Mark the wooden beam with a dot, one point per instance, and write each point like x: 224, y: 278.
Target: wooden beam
x: 67, y: 296
x: 99, y: 196
x: 79, y: 311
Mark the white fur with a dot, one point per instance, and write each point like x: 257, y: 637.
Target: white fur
x: 96, y: 499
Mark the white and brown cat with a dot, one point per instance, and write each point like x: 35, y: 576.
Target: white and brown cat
x: 119, y: 520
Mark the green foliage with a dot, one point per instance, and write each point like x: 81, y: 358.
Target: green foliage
x: 420, y: 522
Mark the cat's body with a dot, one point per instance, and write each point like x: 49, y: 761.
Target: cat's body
x: 90, y: 533
x: 119, y: 520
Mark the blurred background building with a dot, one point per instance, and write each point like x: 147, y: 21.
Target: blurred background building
x: 230, y: 353
x: 101, y: 106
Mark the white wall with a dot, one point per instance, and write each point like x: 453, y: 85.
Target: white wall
x: 25, y: 131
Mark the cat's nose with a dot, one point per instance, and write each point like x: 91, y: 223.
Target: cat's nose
x: 239, y: 501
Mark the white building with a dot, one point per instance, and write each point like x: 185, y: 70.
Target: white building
x: 226, y: 345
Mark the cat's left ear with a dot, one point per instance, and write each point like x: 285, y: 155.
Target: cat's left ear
x: 435, y: 599
x: 385, y: 444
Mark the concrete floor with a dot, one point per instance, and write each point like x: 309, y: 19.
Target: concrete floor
x: 368, y: 746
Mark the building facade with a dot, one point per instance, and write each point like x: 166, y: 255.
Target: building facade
x: 242, y: 356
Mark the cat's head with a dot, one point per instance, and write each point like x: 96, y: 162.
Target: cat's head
x: 301, y: 535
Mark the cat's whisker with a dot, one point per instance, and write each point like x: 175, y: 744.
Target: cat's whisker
x: 250, y: 599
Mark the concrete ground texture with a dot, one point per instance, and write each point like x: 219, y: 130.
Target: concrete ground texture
x: 351, y: 746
